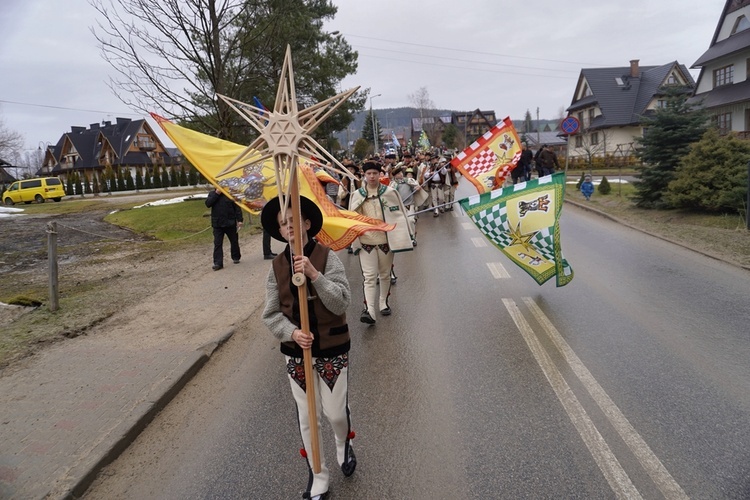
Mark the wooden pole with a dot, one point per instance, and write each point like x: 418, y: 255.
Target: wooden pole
x: 52, y: 260
x: 312, y: 410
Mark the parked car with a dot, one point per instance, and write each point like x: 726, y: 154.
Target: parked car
x: 38, y: 190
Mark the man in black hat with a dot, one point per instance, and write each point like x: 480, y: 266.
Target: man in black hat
x: 328, y: 298
x: 376, y: 248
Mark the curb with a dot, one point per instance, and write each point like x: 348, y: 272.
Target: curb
x: 131, y: 427
x: 659, y: 236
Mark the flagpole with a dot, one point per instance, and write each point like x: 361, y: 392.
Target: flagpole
x: 301, y: 282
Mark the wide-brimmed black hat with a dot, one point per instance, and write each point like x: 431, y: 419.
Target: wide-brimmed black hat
x: 270, y: 221
x: 372, y: 165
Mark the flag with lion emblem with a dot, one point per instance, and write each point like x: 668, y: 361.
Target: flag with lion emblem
x: 523, y: 222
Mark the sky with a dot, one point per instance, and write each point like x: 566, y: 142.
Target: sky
x: 509, y: 56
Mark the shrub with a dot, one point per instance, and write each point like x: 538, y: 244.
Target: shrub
x: 580, y: 181
x: 604, y: 187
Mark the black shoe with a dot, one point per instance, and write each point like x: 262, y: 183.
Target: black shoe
x: 236, y: 261
x: 322, y: 496
x: 386, y: 311
x: 366, y: 318
x: 349, y: 250
x: 348, y: 467
x: 217, y: 267
x: 269, y: 256
x: 393, y: 281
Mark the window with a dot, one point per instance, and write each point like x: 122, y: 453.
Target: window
x: 724, y: 76
x: 661, y: 103
x: 580, y: 118
x: 741, y: 24
x: 724, y: 123
x: 579, y: 141
x: 591, y: 115
x: 672, y: 80
x: 594, y: 138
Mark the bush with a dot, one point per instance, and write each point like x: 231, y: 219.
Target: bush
x: 604, y: 187
x: 712, y: 176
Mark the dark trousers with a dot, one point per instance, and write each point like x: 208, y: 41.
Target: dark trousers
x: 266, y: 243
x: 234, y: 244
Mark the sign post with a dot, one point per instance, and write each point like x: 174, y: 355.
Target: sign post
x: 569, y: 126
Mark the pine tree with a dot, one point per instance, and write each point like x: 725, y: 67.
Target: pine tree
x: 174, y: 181
x: 666, y: 139
x: 164, y: 178
x: 95, y: 188
x: 367, y: 130
x: 580, y: 181
x: 604, y: 187
x: 69, y: 185
x: 193, y: 176
x: 86, y: 184
x: 78, y: 185
x: 157, y: 176
x: 138, y: 179
x: 129, y: 184
x: 183, y: 176
x: 147, y: 184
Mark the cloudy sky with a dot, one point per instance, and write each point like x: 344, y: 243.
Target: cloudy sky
x: 502, y: 55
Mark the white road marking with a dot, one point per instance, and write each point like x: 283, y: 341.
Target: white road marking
x: 650, y: 462
x: 479, y: 242
x: 468, y: 225
x: 497, y: 270
x: 615, y: 475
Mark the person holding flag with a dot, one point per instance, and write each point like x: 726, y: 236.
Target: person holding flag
x: 328, y: 339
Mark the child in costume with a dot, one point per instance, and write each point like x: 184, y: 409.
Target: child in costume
x: 328, y: 298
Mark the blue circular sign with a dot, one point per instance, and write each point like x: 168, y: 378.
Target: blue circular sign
x: 570, y: 125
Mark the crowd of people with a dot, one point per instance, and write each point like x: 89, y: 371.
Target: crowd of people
x: 392, y: 189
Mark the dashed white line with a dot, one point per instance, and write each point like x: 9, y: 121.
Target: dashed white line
x: 479, y: 242
x: 497, y: 270
x: 468, y: 225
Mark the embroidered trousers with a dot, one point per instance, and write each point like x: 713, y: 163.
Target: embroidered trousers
x: 331, y: 397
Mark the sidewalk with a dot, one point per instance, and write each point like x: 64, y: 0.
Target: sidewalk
x: 74, y: 407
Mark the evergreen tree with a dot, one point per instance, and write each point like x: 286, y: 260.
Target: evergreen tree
x: 183, y: 176
x: 713, y: 175
x: 69, y: 185
x: 107, y: 179
x: 164, y: 177
x: 86, y: 184
x: 138, y: 179
x: 361, y: 148
x: 95, y: 179
x: 528, y: 122
x: 174, y: 181
x: 604, y: 187
x: 147, y: 184
x: 193, y: 176
x: 157, y: 176
x: 77, y: 183
x: 580, y: 181
x: 367, y: 130
x: 450, y: 136
x: 666, y: 139
x: 119, y: 180
x: 129, y: 184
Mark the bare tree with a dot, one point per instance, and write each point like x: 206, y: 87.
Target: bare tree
x: 11, y: 142
x: 421, y: 100
x: 589, y: 144
x: 174, y: 56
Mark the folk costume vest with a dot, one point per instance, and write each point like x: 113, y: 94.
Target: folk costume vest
x: 330, y: 330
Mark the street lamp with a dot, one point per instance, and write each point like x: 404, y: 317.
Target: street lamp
x: 372, y: 115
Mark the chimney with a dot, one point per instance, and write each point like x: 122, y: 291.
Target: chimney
x: 635, y: 71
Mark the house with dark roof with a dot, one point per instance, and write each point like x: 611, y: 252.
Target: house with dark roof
x: 610, y: 104
x: 433, y: 127
x: 125, y: 144
x: 723, y: 86
x: 473, y: 124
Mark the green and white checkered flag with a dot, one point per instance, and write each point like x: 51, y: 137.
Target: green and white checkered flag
x: 522, y: 221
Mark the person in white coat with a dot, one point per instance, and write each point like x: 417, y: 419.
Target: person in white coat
x: 376, y: 248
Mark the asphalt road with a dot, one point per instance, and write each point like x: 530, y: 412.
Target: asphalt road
x: 632, y: 381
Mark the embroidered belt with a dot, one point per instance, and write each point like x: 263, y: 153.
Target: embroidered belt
x: 369, y: 248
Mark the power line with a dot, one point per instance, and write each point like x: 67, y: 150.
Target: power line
x: 473, y: 51
x: 68, y: 109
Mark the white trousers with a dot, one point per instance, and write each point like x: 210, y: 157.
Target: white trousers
x: 438, y: 197
x: 334, y: 404
x: 376, y: 265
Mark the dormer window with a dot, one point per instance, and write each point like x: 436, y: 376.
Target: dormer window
x: 619, y: 82
x: 672, y: 79
x: 585, y: 91
x: 741, y: 24
x: 724, y: 76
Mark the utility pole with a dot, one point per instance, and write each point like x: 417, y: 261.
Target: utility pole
x: 374, y: 130
x: 538, y: 140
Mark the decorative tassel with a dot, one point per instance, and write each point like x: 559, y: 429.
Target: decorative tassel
x: 351, y: 435
x: 303, y: 452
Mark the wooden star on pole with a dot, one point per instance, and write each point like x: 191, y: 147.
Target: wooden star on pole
x: 284, y: 132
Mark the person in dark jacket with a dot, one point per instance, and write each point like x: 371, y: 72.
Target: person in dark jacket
x: 522, y: 170
x: 226, y: 219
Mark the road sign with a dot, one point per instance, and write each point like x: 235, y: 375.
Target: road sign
x: 570, y: 125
